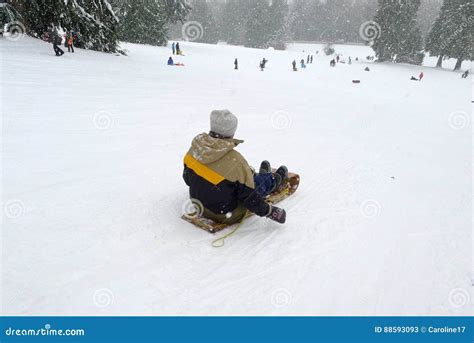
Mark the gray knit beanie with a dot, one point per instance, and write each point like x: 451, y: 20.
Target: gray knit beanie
x: 224, y: 123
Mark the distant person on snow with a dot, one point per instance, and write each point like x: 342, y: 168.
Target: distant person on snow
x: 70, y: 43
x: 294, y: 65
x: 308, y: 59
x: 236, y: 64
x: 421, y: 76
x: 173, y: 48
x: 311, y: 59
x: 465, y: 74
x: 337, y: 58
x: 302, y: 64
x: 332, y: 63
x: 367, y: 69
x: 221, y: 180
x: 178, y: 49
x: 170, y: 61
x: 263, y: 64
x: 56, y: 39
x: 350, y: 60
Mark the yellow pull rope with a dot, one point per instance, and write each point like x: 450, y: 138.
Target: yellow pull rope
x: 219, y: 242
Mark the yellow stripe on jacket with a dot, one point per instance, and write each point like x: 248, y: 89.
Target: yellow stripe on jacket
x: 202, y: 170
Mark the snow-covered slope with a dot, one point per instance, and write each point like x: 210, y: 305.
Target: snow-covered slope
x: 92, y: 189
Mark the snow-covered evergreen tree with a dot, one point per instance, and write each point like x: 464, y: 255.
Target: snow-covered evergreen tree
x: 38, y: 15
x: 266, y: 24
x: 399, y: 38
x: 438, y: 33
x: 257, y: 25
x: 142, y: 22
x: 236, y: 15
x: 201, y: 13
x: 96, y: 22
x: 146, y: 21
x: 451, y: 34
x: 300, y: 15
x: 277, y: 24
x: 175, y: 10
x: 93, y: 20
x: 99, y: 23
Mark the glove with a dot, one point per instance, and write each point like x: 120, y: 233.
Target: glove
x: 277, y: 214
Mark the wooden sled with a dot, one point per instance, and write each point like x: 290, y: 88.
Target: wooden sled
x: 285, y: 191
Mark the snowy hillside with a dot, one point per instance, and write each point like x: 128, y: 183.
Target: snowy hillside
x: 92, y: 191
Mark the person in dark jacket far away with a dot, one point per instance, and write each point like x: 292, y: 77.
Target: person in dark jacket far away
x: 221, y: 181
x: 56, y: 39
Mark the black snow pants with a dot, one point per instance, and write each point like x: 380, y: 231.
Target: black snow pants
x: 57, y: 50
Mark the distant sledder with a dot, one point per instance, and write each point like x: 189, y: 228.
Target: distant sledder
x: 172, y: 63
x: 223, y: 183
x: 420, y: 77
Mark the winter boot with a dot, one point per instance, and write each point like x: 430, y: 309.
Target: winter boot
x: 265, y: 168
x: 277, y: 184
x: 281, y: 175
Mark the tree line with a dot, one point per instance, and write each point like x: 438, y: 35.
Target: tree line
x: 101, y: 24
x: 401, y: 31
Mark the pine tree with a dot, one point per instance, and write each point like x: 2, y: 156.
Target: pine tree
x: 451, y: 34
x: 38, y: 15
x: 236, y: 16
x: 266, y: 25
x: 142, y: 22
x: 277, y: 25
x: 93, y: 20
x: 257, y: 25
x: 329, y: 21
x: 437, y: 35
x: 96, y: 22
x: 461, y: 44
x: 202, y: 14
x: 399, y: 38
x: 297, y: 29
x: 175, y: 10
